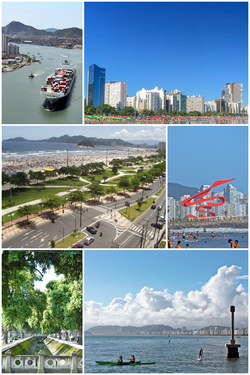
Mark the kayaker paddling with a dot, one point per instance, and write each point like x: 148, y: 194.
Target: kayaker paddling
x: 120, y: 359
x: 132, y: 359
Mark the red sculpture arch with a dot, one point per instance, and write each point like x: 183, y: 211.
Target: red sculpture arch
x: 187, y: 202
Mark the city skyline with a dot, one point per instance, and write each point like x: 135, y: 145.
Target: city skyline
x: 201, y: 155
x: 175, y: 288
x: 193, y: 67
x: 35, y: 14
x: 126, y: 133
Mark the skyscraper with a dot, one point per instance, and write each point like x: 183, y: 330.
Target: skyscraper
x: 96, y: 85
x: 234, y: 93
x: 116, y: 94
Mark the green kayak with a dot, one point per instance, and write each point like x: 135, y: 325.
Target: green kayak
x: 124, y: 363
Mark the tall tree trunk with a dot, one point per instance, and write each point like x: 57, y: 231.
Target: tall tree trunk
x: 5, y: 336
x: 80, y: 335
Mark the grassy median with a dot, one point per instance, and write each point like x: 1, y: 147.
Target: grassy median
x: 132, y: 212
x: 70, y: 240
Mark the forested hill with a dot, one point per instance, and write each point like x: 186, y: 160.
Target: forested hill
x: 176, y: 190
x: 77, y: 139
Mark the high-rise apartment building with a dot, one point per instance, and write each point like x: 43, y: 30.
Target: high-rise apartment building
x: 4, y: 43
x: 116, y: 94
x: 96, y: 85
x: 181, y: 101
x: 195, y: 103
x: 230, y: 193
x: 234, y: 93
x: 152, y: 99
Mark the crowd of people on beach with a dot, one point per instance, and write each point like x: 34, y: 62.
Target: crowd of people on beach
x: 195, y: 237
x: 41, y: 162
x: 100, y: 119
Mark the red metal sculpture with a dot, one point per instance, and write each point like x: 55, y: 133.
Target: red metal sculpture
x: 187, y: 202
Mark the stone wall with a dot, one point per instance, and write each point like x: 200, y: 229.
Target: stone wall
x: 57, y: 348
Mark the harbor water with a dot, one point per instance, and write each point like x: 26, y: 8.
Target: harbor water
x: 21, y: 99
x: 180, y: 356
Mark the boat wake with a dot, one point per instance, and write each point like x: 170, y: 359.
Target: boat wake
x: 38, y: 73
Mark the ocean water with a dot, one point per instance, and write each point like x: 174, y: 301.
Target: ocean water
x: 18, y: 150
x: 21, y: 99
x: 217, y: 243
x: 180, y: 356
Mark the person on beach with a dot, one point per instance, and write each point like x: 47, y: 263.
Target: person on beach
x: 187, y: 246
x: 200, y: 353
x: 236, y: 244
x: 232, y: 243
x: 178, y: 246
x: 170, y: 245
x: 183, y: 235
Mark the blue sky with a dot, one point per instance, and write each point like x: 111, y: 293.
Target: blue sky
x: 141, y: 133
x: 111, y: 275
x: 43, y: 15
x: 201, y: 155
x: 195, y: 47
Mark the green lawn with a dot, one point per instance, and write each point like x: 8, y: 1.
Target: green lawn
x: 62, y: 181
x: 24, y: 195
x: 132, y: 213
x: 70, y: 240
x: 159, y: 192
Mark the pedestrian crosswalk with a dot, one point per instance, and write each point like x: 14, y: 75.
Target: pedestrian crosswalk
x: 139, y: 230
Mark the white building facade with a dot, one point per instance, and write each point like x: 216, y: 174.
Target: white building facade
x: 116, y: 94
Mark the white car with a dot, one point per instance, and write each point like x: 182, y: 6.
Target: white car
x: 162, y: 219
x: 88, y: 240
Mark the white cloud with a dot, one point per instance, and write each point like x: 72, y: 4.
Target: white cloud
x: 207, y: 306
x: 153, y: 133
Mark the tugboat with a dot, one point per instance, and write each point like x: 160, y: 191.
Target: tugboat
x: 31, y: 75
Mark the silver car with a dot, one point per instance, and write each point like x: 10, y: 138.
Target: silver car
x: 88, y: 240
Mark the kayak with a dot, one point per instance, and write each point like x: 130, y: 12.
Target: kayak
x: 124, y: 363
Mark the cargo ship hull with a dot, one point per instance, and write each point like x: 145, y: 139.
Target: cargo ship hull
x: 59, y: 85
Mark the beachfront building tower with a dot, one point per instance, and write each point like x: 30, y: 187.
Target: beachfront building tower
x: 116, y: 94
x: 4, y: 43
x: 155, y: 98
x: 96, y: 85
x: 181, y: 101
x: 234, y: 93
x: 195, y: 103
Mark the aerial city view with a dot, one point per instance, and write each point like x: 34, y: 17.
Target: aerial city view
x: 41, y: 56
x: 130, y: 181
x: 160, y: 77
x: 74, y: 191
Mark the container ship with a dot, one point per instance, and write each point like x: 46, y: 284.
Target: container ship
x: 58, y: 85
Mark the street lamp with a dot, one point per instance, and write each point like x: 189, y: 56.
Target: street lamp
x: 11, y: 217
x: 75, y: 221
x: 62, y: 228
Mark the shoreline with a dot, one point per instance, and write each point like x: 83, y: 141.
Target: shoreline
x: 239, y: 224
x: 41, y: 162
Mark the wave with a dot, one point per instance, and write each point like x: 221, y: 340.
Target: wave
x: 210, y: 230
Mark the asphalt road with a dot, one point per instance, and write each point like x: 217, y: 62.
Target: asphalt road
x: 113, y: 235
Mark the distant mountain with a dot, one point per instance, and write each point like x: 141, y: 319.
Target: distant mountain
x: 51, y: 30
x: 77, y: 139
x: 150, y: 329
x: 148, y: 142
x: 21, y: 30
x: 176, y: 190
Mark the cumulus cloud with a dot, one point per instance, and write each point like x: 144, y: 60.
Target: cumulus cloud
x: 152, y: 133
x: 204, y: 307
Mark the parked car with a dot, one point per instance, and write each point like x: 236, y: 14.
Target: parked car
x: 159, y: 208
x: 153, y: 206
x: 162, y: 219
x: 157, y: 225
x: 88, y: 240
x: 77, y: 246
x: 91, y: 230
